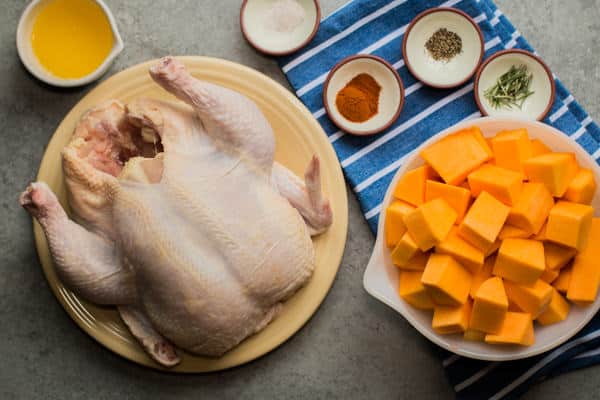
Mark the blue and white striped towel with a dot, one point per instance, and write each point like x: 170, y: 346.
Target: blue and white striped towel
x: 369, y: 163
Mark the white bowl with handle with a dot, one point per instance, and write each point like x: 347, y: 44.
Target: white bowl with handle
x: 381, y: 276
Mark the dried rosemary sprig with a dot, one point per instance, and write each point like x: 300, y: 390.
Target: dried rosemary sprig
x: 511, y: 88
x: 444, y: 44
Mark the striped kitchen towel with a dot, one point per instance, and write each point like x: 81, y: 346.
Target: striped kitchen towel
x: 369, y: 163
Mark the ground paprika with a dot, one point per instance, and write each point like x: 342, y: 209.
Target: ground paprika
x: 358, y: 101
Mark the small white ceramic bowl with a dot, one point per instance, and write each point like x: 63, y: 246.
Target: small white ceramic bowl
x: 381, y: 276
x: 535, y: 106
x: 391, y: 97
x: 255, y: 23
x: 32, y: 64
x: 440, y: 73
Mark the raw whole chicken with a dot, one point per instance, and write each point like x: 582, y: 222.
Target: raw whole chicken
x: 184, y: 221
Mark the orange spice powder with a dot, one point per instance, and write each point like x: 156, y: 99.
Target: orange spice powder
x: 358, y: 101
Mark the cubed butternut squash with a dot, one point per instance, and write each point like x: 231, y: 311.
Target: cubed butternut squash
x: 582, y: 188
x: 412, y: 290
x: 447, y: 281
x: 520, y: 260
x: 538, y: 148
x: 555, y: 170
x: 484, y: 273
x: 489, y: 306
x: 394, y: 222
x: 455, y: 156
x: 429, y: 223
x: 502, y: 183
x: 464, y: 252
x: 562, y: 282
x: 474, y: 335
x: 585, y: 274
x: 411, y: 187
x: 557, y: 310
x: 557, y: 256
x: 483, y: 221
x: 494, y: 248
x: 511, y: 149
x: 404, y: 250
x: 457, y: 197
x: 532, y: 208
x: 549, y: 275
x: 510, y: 231
x: 516, y: 329
x: 451, y: 319
x: 532, y: 298
x: 569, y: 224
x: 416, y: 263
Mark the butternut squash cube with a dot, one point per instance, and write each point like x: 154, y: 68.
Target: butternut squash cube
x: 502, y: 183
x: 520, y: 260
x: 474, y: 335
x: 516, y: 329
x: 429, y: 223
x: 412, y: 290
x: 557, y: 310
x: 451, y: 319
x: 538, y: 148
x: 464, y: 252
x: 411, y: 187
x: 404, y: 250
x: 569, y: 224
x: 483, y: 221
x: 549, y: 275
x: 510, y: 231
x: 485, y: 144
x: 457, y: 197
x: 494, y: 248
x: 582, y: 188
x: 557, y: 256
x: 564, y: 280
x: 394, y: 222
x: 447, y: 281
x: 455, y: 156
x: 555, y: 170
x: 541, y: 235
x: 531, y: 210
x: 532, y: 298
x: 416, y: 263
x: 482, y: 275
x: 585, y: 275
x: 511, y: 149
x: 489, y: 306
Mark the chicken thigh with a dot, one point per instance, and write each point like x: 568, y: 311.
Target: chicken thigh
x: 183, y: 219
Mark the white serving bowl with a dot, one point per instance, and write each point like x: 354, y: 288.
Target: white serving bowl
x: 381, y: 276
x: 31, y: 62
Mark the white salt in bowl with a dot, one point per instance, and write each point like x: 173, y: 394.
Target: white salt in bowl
x: 391, y: 97
x: 381, y: 275
x: 258, y: 25
x: 441, y: 73
x: 535, y: 106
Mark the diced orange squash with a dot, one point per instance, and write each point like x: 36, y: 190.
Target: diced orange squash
x: 483, y: 221
x: 557, y: 310
x: 582, y: 188
x: 464, y: 252
x: 412, y: 290
x: 447, y: 281
x: 510, y: 231
x: 482, y: 275
x: 411, y: 187
x: 489, y: 306
x: 394, y: 222
x: 502, y: 183
x: 516, y: 329
x: 531, y: 210
x: 455, y: 156
x: 416, y: 263
x: 555, y: 170
x: 465, y: 185
x: 520, y: 260
x: 487, y: 147
x: 511, y: 149
x: 549, y: 275
x: 585, y: 275
x: 512, y: 306
x: 532, y: 298
x: 541, y: 235
x: 451, y: 319
x: 474, y: 335
x: 569, y: 224
x: 429, y: 223
x: 494, y: 248
x: 404, y: 250
x: 557, y: 256
x: 457, y: 197
x: 538, y: 148
x: 564, y: 280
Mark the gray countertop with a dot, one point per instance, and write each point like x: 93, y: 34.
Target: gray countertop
x: 354, y: 346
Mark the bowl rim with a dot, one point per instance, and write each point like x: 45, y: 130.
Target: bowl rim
x: 377, y: 255
x: 432, y: 11
x: 529, y: 54
x: 48, y: 78
x: 340, y: 124
x: 268, y: 52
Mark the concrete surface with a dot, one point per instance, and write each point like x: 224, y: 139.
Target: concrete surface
x: 354, y: 347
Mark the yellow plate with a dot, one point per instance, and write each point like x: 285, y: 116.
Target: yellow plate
x: 298, y: 137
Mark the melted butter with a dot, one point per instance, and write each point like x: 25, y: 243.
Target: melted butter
x: 71, y: 38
